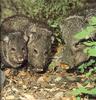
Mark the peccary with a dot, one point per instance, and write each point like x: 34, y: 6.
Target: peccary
x: 39, y: 38
x: 39, y: 46
x: 13, y: 49
x: 73, y: 54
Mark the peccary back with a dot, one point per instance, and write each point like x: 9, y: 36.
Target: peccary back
x: 13, y: 49
x: 72, y: 55
x: 15, y: 23
x: 70, y: 27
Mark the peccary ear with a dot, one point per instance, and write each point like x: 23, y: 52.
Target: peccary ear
x: 31, y: 38
x: 25, y: 38
x: 52, y: 39
x: 33, y: 28
x: 6, y: 39
x: 46, y: 31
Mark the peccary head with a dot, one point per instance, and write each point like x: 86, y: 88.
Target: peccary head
x: 39, y: 47
x: 14, y: 49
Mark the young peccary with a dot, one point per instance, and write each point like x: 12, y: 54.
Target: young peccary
x: 13, y: 49
x: 39, y: 39
x: 73, y: 53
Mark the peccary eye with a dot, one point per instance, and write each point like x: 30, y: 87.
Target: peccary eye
x: 46, y: 52
x: 13, y: 49
x: 23, y: 49
x: 35, y: 51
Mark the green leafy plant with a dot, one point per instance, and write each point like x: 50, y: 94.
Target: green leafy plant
x: 83, y: 91
x: 51, y: 11
x: 90, y: 50
x: 89, y: 32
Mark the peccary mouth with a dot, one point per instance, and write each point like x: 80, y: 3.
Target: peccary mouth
x: 17, y: 63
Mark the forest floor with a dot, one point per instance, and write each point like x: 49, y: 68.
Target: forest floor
x: 55, y: 84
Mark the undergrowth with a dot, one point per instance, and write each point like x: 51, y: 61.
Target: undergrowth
x: 89, y: 35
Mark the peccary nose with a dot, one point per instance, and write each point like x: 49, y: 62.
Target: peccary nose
x: 20, y: 59
x: 43, y: 61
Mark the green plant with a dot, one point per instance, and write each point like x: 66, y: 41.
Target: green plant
x: 51, y: 11
x: 82, y: 91
x: 84, y: 66
x: 89, y: 32
x: 88, y: 35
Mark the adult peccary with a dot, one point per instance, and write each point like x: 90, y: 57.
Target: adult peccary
x: 39, y: 46
x: 13, y: 49
x: 73, y: 51
x: 39, y: 39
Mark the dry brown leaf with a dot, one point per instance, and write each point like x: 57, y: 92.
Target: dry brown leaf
x: 79, y: 85
x: 69, y: 98
x: 7, y: 72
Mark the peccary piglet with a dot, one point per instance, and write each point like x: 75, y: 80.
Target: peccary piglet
x: 13, y: 49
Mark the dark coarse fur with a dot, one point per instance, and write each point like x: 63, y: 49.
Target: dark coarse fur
x: 73, y: 54
x: 13, y: 49
x: 39, y: 38
x: 15, y: 23
x: 19, y: 23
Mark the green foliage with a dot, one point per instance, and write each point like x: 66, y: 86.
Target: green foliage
x: 90, y: 46
x: 92, y: 21
x: 91, y: 72
x: 88, y: 32
x: 83, y: 90
x: 85, y: 65
x: 90, y: 50
x: 51, y: 11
